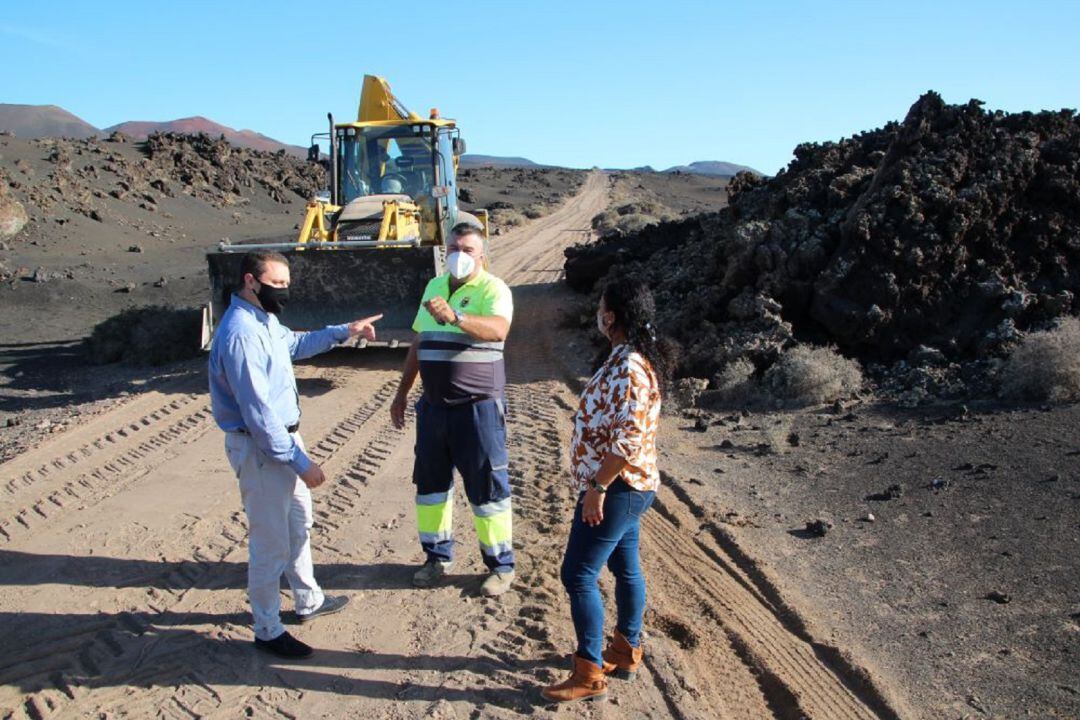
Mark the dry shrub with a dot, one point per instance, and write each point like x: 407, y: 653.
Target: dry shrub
x: 534, y: 211
x: 605, y: 221
x: 777, y: 433
x: 806, y: 375
x: 1045, y: 366
x: 630, y: 218
x: 149, y: 335
x: 636, y: 222
x: 507, y: 217
x: 735, y: 383
x: 643, y: 207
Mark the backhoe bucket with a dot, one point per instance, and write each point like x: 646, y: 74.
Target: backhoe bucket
x: 337, y: 285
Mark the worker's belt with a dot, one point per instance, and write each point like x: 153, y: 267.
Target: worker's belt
x: 291, y: 429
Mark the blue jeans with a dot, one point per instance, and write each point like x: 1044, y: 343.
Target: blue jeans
x: 615, y: 542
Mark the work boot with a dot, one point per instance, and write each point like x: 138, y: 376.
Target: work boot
x: 621, y: 659
x: 431, y: 573
x: 497, y: 583
x: 585, y: 683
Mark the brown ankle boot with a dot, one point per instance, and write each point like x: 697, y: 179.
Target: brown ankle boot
x: 585, y: 683
x: 621, y: 659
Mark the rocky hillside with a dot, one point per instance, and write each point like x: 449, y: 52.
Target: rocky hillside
x: 91, y: 227
x: 84, y: 173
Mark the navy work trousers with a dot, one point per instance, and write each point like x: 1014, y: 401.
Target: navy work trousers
x: 471, y: 438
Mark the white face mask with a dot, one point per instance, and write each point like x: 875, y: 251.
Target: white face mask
x: 460, y: 265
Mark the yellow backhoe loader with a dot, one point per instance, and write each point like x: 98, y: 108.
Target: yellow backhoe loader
x: 373, y: 240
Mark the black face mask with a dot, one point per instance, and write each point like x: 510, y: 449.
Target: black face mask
x: 272, y: 299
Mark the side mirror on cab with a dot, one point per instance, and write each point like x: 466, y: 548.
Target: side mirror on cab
x: 313, y: 153
x: 459, y: 146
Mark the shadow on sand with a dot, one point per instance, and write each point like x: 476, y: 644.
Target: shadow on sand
x: 171, y: 650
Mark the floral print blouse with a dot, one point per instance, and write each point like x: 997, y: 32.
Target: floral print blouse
x: 619, y: 412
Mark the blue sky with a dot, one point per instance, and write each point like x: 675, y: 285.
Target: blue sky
x: 570, y: 83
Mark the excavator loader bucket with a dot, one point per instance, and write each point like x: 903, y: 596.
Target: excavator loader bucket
x: 332, y: 286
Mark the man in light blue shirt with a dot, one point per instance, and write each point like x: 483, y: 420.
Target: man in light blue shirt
x: 254, y: 399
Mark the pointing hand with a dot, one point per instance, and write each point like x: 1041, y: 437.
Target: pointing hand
x: 365, y: 327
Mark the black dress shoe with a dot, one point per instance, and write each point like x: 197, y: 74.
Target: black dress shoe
x: 284, y: 645
x: 330, y: 605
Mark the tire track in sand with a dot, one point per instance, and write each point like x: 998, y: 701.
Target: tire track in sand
x: 98, y: 659
x: 81, y: 467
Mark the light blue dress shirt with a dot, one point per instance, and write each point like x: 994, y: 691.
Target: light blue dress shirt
x: 252, y: 386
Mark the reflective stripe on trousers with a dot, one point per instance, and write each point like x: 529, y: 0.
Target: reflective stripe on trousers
x: 472, y: 439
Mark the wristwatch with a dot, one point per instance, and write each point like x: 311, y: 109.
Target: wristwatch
x: 597, y: 486
x: 458, y: 317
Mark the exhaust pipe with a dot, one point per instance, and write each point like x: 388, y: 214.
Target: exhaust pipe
x: 333, y: 161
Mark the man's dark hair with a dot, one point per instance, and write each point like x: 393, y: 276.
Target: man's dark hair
x: 255, y: 263
x: 466, y: 228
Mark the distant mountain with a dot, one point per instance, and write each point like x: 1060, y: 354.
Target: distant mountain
x: 716, y: 168
x: 32, y: 121
x: 471, y: 160
x: 638, y: 169
x: 140, y: 129
x: 35, y: 121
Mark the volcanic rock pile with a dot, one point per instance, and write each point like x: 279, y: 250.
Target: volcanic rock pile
x: 215, y: 170
x: 939, y: 239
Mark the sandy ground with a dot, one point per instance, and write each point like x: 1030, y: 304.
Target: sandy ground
x: 959, y: 587
x: 123, y: 559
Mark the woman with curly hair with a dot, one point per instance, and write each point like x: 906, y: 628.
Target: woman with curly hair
x: 615, y: 476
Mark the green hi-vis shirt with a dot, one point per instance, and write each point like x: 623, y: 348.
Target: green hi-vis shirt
x: 455, y: 367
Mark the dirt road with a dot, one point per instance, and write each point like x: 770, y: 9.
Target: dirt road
x: 122, y: 563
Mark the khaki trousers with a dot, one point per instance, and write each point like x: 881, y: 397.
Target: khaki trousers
x: 278, y: 508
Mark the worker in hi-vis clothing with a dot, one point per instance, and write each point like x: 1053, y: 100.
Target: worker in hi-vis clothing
x: 462, y: 322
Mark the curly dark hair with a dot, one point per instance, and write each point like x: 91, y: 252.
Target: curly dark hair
x: 631, y: 301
